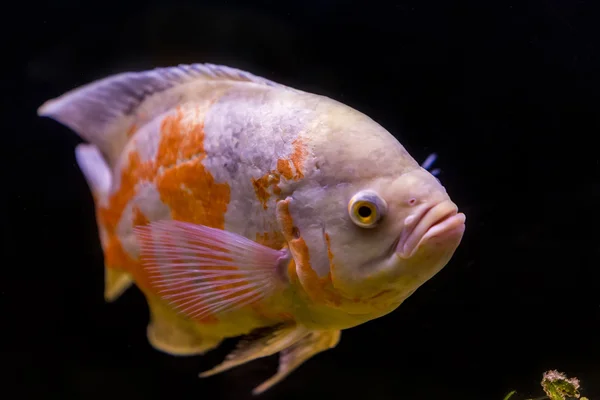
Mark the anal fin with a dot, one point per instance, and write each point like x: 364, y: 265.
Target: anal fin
x: 295, y: 344
x: 294, y: 356
x: 262, y: 342
x: 171, y: 333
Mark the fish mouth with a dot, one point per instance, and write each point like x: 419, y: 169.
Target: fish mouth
x: 441, y: 222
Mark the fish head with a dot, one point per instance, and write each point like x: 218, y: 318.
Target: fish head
x: 400, y: 232
x: 375, y: 224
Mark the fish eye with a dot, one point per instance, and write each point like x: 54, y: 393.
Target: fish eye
x: 366, y: 209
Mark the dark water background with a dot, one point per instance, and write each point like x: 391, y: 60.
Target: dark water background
x: 507, y: 93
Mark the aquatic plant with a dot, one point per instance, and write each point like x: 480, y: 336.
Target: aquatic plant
x: 557, y: 386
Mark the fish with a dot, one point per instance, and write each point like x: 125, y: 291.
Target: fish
x: 245, y: 208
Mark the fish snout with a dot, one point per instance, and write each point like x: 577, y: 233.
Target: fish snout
x: 441, y: 222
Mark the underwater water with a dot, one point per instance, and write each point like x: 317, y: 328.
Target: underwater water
x: 505, y: 93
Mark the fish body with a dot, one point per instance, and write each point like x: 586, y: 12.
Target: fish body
x: 237, y: 206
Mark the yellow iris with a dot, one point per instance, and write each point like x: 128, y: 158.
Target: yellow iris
x: 364, y: 213
x: 366, y: 208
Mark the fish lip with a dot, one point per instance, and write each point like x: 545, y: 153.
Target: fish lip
x: 439, y: 221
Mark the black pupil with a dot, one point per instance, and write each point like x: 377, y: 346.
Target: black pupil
x: 364, y: 211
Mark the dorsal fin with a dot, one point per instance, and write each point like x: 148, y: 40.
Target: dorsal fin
x: 103, y: 111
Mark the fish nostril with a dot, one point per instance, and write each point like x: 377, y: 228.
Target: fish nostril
x: 412, y: 201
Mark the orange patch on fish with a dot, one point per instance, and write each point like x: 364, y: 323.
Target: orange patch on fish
x: 285, y: 219
x: 285, y: 168
x: 329, y: 254
x: 138, y: 217
x: 318, y: 289
x: 188, y: 188
x: 296, y: 160
x: 185, y: 186
x: 262, y: 184
x: 273, y: 239
x: 109, y: 216
x: 298, y: 157
x: 291, y: 271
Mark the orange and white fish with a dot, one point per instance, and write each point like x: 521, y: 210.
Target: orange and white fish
x: 240, y: 206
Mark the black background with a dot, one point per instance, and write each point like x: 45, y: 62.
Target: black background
x: 506, y: 93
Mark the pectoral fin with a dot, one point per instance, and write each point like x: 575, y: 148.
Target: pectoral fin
x: 202, y: 271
